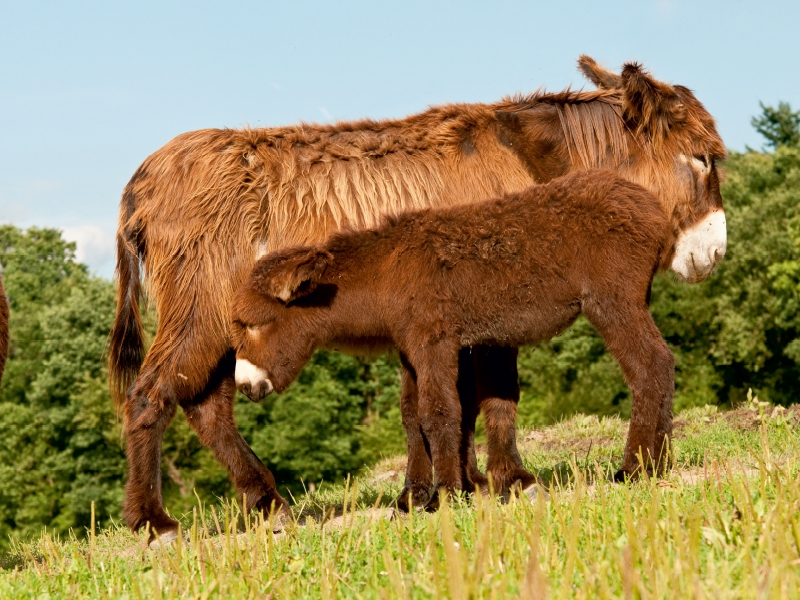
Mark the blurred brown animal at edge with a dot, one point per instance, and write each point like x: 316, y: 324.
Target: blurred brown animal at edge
x: 3, y: 327
x: 199, y: 212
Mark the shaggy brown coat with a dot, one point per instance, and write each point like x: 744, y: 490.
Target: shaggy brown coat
x: 507, y: 272
x: 3, y: 327
x: 200, y: 211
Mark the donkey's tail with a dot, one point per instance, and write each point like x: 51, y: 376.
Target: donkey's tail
x: 126, y: 342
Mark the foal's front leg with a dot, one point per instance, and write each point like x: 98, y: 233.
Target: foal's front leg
x: 436, y: 365
x: 649, y: 368
x: 419, y: 470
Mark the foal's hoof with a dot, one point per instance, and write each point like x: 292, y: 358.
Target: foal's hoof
x: 623, y: 476
x: 410, y: 497
x: 435, y: 503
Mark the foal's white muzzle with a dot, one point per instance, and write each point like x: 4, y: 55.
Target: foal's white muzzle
x: 701, y: 247
x: 252, y: 381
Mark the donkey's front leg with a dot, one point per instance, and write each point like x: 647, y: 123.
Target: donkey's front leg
x: 440, y: 415
x: 211, y: 415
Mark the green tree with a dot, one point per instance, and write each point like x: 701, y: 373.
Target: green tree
x: 60, y: 442
x: 779, y: 125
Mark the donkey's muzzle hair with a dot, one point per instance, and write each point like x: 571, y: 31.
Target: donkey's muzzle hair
x: 252, y: 381
x: 700, y: 247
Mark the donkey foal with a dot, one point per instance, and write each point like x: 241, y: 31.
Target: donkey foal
x: 507, y: 272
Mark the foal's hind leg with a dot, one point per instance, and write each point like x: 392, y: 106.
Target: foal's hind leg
x: 497, y: 389
x: 211, y: 416
x: 635, y: 342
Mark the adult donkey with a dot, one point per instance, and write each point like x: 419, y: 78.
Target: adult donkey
x: 200, y: 211
x: 3, y: 327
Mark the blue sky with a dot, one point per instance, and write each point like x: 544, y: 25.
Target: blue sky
x: 88, y: 90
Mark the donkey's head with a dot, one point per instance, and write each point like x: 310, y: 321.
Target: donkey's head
x: 673, y: 150
x: 653, y: 133
x: 276, y: 320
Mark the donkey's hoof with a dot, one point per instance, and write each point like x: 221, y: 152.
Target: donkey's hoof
x: 533, y: 491
x: 282, y: 520
x: 169, y: 538
x: 275, y: 511
x: 529, y: 492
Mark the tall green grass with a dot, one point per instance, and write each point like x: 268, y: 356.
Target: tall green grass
x: 724, y: 524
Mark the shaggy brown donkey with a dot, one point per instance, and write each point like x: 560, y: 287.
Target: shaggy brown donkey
x: 199, y: 212
x: 3, y: 328
x: 507, y: 272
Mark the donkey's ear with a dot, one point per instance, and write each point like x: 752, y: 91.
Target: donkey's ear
x: 602, y: 78
x: 650, y: 107
x: 298, y: 275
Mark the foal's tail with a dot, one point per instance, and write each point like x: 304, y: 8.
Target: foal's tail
x: 126, y: 342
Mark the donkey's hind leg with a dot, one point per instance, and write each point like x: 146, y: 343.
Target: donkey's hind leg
x: 148, y: 411
x: 176, y: 370
x: 211, y: 415
x: 498, y: 395
x: 468, y: 395
x: 635, y: 342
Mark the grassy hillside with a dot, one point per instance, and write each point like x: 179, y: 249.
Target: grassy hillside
x: 724, y: 524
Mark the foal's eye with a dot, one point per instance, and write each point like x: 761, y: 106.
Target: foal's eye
x: 703, y: 160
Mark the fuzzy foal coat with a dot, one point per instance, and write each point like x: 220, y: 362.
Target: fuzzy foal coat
x: 505, y: 272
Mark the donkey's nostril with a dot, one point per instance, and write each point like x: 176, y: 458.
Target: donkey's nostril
x: 245, y: 389
x: 264, y: 390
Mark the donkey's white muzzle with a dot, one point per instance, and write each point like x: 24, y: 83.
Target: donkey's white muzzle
x: 252, y: 381
x: 700, y: 247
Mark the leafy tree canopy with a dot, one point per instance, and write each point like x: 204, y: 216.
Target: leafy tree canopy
x: 780, y: 126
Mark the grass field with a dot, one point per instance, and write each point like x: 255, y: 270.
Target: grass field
x: 724, y: 524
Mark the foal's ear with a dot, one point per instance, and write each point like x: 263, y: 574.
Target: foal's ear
x: 602, y: 78
x: 650, y: 107
x: 298, y: 275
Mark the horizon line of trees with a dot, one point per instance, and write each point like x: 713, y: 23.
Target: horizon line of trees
x: 60, y: 441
